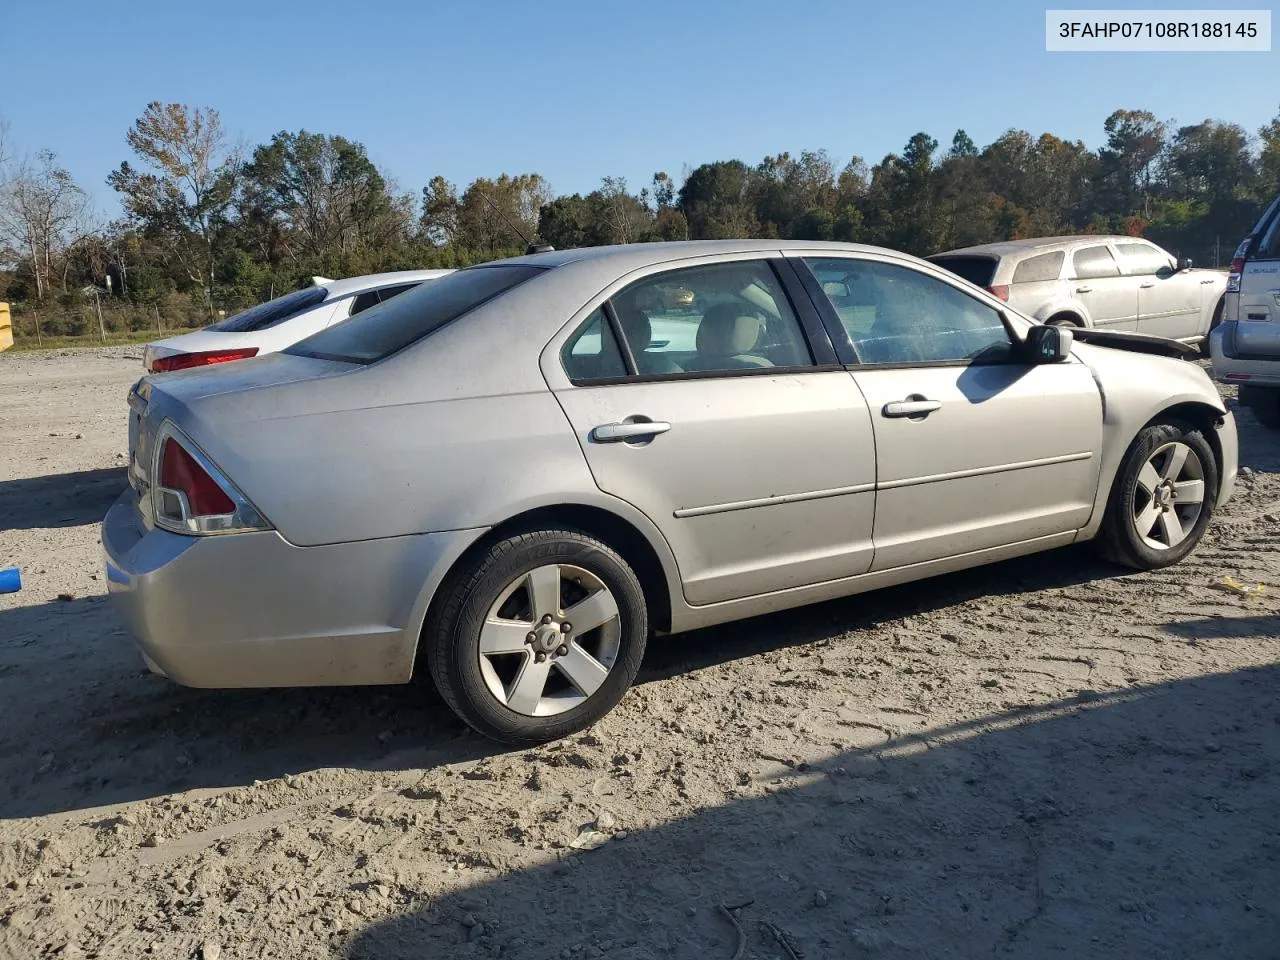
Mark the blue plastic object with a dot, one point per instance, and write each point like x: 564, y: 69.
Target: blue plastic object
x: 10, y: 580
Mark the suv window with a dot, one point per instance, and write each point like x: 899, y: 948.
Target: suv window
x: 1090, y: 263
x: 275, y: 311
x: 977, y: 270
x: 1141, y: 259
x: 1044, y: 266
x: 367, y: 337
x: 1269, y: 246
x: 897, y: 315
x: 716, y: 318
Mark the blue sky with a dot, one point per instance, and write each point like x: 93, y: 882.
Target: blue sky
x: 578, y: 90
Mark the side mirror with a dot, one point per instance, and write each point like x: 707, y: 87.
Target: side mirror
x: 1184, y: 263
x: 1045, y: 344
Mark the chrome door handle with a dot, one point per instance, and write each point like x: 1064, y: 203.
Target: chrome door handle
x: 911, y: 408
x: 1144, y: 286
x: 628, y: 430
x: 1084, y: 289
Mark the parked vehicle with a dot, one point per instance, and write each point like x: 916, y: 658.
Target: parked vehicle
x: 509, y: 477
x: 1246, y: 348
x: 1114, y: 283
x: 281, y: 322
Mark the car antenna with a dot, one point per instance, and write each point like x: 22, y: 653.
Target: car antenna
x: 530, y: 247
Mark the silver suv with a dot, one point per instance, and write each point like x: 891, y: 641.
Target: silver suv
x: 1116, y: 283
x: 1246, y: 348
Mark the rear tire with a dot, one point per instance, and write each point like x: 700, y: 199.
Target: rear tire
x: 1213, y: 325
x: 1153, y: 517
x: 1265, y: 404
x: 1063, y: 320
x: 504, y: 651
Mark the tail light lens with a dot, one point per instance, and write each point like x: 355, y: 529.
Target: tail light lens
x: 182, y: 361
x: 193, y: 496
x: 1000, y: 290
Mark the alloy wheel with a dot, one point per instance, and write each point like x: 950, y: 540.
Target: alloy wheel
x: 550, y: 640
x: 1168, y: 496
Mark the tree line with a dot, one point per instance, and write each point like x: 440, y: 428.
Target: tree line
x: 211, y: 226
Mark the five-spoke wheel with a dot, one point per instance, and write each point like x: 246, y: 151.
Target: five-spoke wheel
x: 537, y: 636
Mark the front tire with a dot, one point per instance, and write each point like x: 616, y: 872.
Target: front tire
x: 1162, y: 498
x: 539, y: 636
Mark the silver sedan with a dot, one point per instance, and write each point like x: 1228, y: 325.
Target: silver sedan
x: 510, y: 477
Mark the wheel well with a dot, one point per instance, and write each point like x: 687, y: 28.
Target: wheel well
x: 1200, y: 415
x: 601, y: 524
x: 1063, y: 317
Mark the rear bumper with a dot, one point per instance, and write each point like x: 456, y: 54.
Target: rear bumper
x: 252, y: 610
x: 1255, y: 371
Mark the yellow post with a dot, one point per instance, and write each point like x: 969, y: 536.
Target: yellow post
x: 6, y: 327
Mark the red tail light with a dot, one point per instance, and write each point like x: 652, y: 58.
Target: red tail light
x: 1237, y: 265
x: 182, y: 361
x: 180, y: 472
x: 1000, y: 290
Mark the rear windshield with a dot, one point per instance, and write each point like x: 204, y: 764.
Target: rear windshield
x: 394, y: 324
x: 1045, y: 266
x: 272, y: 312
x: 977, y: 270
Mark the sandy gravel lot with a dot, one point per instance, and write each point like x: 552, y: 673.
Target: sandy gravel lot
x: 1043, y: 758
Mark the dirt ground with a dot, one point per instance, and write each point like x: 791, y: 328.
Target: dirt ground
x: 1044, y: 757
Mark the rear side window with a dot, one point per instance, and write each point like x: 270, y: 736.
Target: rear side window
x: 364, y: 301
x: 1092, y: 262
x: 1046, y: 266
x: 977, y: 270
x: 375, y: 334
x: 272, y: 312
x: 592, y: 353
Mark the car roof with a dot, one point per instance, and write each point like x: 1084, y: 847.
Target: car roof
x: 1014, y: 248
x: 372, y: 281
x: 622, y: 258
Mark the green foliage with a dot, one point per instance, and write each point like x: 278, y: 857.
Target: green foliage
x: 207, y: 231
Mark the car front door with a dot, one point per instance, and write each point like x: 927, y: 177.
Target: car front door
x: 975, y: 449
x: 709, y: 397
x: 1110, y: 299
x: 1168, y: 299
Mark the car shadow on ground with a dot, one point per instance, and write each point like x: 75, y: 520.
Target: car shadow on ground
x: 59, y: 500
x: 1140, y: 823
x: 168, y: 738
x: 1212, y: 628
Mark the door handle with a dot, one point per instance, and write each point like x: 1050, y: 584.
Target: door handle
x: 628, y: 431
x: 1084, y: 289
x: 911, y: 408
x: 1148, y: 284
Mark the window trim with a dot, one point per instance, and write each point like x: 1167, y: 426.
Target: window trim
x: 809, y: 331
x: 844, y: 343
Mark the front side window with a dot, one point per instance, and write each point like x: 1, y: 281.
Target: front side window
x: 895, y: 314
x: 1092, y: 263
x: 375, y: 334
x: 1141, y: 259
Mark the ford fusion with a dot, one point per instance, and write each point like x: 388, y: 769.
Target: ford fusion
x: 509, y: 478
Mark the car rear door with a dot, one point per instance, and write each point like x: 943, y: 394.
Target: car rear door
x: 710, y: 398
x: 974, y: 448
x: 1258, y: 332
x: 1168, y: 299
x: 1110, y: 299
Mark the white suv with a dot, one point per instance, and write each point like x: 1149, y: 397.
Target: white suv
x: 282, y: 322
x: 1246, y: 348
x: 1113, y: 283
